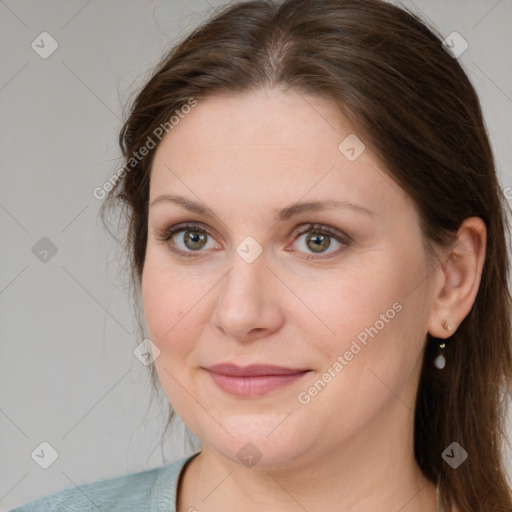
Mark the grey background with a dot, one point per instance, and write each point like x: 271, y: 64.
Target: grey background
x: 67, y: 371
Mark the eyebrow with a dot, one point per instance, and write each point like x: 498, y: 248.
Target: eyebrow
x: 279, y: 214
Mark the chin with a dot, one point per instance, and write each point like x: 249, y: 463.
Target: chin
x: 257, y: 441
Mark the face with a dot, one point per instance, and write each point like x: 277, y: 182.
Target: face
x: 342, y: 304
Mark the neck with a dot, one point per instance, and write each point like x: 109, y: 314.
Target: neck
x: 373, y: 470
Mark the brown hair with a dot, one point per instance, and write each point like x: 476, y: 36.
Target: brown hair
x: 416, y: 108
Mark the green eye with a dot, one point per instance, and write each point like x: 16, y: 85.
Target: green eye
x: 195, y: 238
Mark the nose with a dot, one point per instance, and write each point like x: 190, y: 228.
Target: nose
x: 247, y: 306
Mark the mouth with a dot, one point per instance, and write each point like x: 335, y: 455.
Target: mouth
x: 255, y: 380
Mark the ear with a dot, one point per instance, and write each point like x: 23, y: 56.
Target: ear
x: 460, y: 278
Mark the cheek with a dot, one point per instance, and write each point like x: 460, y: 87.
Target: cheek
x: 369, y: 309
x: 347, y: 302
x: 174, y: 305
x: 163, y: 298
x: 378, y: 337
x: 165, y: 306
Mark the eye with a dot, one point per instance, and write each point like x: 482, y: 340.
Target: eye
x: 192, y: 237
x: 319, y: 238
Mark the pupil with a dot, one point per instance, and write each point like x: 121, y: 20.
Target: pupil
x: 195, y: 238
x: 323, y: 239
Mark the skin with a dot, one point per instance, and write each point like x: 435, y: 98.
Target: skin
x: 351, y: 447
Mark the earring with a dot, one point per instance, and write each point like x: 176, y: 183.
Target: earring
x: 446, y: 326
x: 440, y: 361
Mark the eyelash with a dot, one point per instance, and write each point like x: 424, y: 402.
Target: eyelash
x: 166, y: 234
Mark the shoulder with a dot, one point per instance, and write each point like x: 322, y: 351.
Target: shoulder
x: 150, y: 490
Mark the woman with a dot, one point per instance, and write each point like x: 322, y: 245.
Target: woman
x: 317, y: 233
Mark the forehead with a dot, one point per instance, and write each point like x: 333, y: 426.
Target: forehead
x: 267, y: 147
x: 258, y: 120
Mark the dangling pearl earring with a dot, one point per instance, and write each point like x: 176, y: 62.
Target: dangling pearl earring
x: 440, y: 361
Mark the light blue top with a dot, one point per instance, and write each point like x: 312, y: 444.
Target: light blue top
x: 153, y: 490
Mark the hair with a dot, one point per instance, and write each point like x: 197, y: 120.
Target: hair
x: 414, y: 106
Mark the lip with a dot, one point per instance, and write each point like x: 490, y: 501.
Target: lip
x: 254, y: 380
